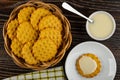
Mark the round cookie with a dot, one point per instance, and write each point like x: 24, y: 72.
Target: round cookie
x: 50, y: 21
x: 16, y: 47
x: 88, y: 65
x: 11, y: 29
x: 25, y: 14
x: 37, y: 16
x: 27, y: 54
x: 26, y: 33
x: 44, y: 49
x: 53, y: 34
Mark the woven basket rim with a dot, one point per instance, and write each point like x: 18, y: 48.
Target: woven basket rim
x: 65, y: 45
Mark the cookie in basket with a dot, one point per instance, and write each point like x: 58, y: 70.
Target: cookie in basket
x: 50, y: 21
x: 27, y: 54
x: 26, y: 33
x: 16, y: 47
x: 37, y: 16
x: 25, y: 14
x: 11, y: 29
x: 44, y: 49
x: 52, y: 33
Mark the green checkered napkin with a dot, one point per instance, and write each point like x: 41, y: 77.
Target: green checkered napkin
x: 48, y: 74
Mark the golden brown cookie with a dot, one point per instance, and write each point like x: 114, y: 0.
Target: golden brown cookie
x: 52, y: 34
x: 26, y: 33
x: 25, y: 14
x: 44, y: 49
x: 88, y: 65
x: 50, y: 21
x: 16, y: 47
x: 27, y: 54
x: 37, y: 15
x: 11, y: 29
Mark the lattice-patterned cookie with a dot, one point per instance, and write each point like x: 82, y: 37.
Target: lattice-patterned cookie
x: 25, y: 14
x: 11, y: 29
x: 27, y: 53
x: 37, y: 15
x: 16, y: 47
x: 44, y: 49
x: 26, y: 33
x: 50, y: 21
x: 53, y: 34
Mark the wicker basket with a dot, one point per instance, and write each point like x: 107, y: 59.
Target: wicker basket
x: 67, y: 38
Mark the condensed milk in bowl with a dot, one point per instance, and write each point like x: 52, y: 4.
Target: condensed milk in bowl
x: 102, y: 27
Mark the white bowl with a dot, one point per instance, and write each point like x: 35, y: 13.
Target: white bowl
x: 114, y: 26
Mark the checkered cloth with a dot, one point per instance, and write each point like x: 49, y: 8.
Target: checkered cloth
x: 48, y: 74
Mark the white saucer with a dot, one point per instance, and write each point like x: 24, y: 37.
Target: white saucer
x: 106, y: 57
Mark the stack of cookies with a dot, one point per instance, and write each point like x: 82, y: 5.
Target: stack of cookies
x: 35, y: 35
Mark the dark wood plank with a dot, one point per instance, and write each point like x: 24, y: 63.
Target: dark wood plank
x: 7, y: 66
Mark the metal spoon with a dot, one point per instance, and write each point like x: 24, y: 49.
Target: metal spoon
x: 71, y: 9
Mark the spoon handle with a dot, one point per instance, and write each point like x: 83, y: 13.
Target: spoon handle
x: 71, y: 9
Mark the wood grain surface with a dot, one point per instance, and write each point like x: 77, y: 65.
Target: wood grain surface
x: 9, y: 68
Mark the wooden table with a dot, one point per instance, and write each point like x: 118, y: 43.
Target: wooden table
x: 7, y: 66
